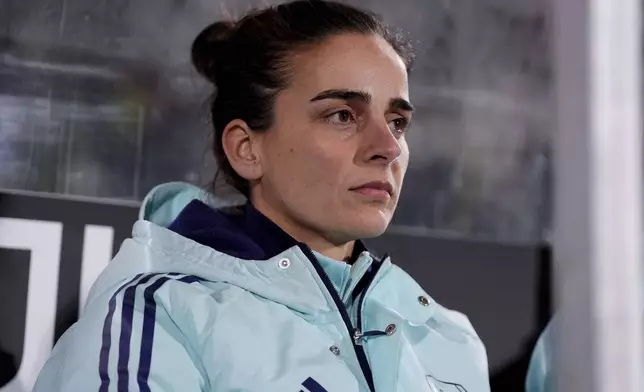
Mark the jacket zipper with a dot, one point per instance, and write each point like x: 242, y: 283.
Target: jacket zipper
x: 353, y: 332
x: 359, y: 333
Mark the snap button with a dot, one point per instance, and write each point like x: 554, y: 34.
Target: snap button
x: 284, y: 263
x: 423, y: 300
x: 391, y: 329
x: 335, y: 350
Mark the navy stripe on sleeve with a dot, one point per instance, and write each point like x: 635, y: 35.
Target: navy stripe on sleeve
x: 127, y: 316
x: 125, y: 336
x: 104, y: 359
x: 147, y: 336
x: 313, y: 385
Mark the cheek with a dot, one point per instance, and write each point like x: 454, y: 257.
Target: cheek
x: 306, y: 160
x: 319, y: 167
x: 305, y: 167
x: 403, y: 159
x: 310, y: 185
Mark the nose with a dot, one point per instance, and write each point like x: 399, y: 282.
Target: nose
x: 381, y: 146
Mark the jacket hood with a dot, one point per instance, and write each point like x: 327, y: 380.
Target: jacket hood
x: 183, y: 229
x: 239, y: 231
x: 163, y: 204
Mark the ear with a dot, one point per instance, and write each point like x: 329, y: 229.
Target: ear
x: 241, y: 149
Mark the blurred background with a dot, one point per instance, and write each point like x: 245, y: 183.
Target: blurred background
x: 99, y: 99
x: 99, y: 103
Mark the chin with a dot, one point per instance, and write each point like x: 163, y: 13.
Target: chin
x: 369, y: 224
x: 371, y: 232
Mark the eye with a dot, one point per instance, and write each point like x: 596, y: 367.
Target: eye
x: 341, y: 117
x: 398, y: 125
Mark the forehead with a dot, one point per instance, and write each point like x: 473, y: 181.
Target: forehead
x: 351, y: 61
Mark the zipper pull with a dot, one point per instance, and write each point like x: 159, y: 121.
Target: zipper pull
x: 357, y: 336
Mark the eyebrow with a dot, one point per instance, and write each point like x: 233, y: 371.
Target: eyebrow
x: 345, y: 95
x: 402, y: 104
x: 350, y: 95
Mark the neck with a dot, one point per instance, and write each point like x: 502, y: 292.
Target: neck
x: 301, y: 233
x: 340, y: 253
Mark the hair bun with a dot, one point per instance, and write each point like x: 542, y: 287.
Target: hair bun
x: 209, y: 48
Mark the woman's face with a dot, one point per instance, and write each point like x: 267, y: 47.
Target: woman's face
x: 334, y: 160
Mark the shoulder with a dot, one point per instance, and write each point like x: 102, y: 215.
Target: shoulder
x: 160, y: 318
x: 419, y: 307
x: 178, y: 307
x: 179, y: 296
x: 443, y: 340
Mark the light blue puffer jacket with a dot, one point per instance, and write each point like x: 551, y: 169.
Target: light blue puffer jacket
x: 172, y: 314
x: 541, y: 375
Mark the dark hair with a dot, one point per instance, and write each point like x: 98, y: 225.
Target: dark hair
x: 248, y: 60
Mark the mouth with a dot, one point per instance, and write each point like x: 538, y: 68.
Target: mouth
x: 379, y: 190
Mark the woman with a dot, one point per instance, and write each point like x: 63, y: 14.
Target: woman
x: 310, y: 114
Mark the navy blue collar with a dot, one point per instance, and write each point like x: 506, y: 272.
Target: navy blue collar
x: 241, y: 231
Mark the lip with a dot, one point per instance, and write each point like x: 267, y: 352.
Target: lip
x: 375, y: 189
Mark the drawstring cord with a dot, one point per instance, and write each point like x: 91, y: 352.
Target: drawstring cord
x: 359, y: 337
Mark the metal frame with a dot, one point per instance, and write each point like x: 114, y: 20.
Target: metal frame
x: 598, y: 195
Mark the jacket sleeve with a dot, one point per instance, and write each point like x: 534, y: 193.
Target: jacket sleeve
x: 126, y: 341
x: 540, y: 376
